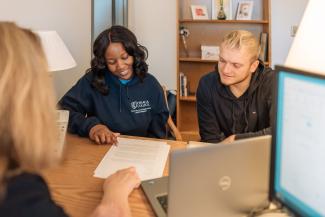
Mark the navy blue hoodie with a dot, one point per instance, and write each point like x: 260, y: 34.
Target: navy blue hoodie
x: 221, y: 114
x: 136, y: 108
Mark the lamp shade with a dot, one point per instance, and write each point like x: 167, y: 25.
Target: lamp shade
x: 57, y: 54
x: 308, y: 47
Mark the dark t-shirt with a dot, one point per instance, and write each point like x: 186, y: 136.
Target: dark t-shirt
x: 27, y: 195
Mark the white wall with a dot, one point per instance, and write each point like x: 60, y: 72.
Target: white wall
x: 154, y: 23
x: 284, y: 14
x: 70, y: 18
x: 102, y: 16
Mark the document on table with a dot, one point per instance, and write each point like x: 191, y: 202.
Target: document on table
x: 147, y: 156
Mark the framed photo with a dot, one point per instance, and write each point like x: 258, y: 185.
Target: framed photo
x: 227, y: 7
x: 210, y: 52
x: 245, y: 10
x: 199, y: 12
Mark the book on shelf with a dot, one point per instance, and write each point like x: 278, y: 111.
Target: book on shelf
x: 263, y: 44
x: 183, y: 84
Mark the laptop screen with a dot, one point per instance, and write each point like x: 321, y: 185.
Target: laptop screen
x: 299, y: 142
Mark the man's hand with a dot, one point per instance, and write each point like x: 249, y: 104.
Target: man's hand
x: 102, y: 135
x: 229, y: 139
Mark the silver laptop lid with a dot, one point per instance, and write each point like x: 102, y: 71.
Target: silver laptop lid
x: 219, y: 180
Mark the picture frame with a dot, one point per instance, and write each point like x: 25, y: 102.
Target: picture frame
x: 210, y: 52
x: 199, y: 12
x: 227, y: 7
x: 244, y: 10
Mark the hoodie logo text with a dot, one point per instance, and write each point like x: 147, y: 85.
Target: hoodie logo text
x: 140, y: 106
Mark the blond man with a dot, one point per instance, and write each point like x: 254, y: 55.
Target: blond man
x: 234, y: 101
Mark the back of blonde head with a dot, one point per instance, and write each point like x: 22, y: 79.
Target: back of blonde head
x: 242, y: 39
x: 28, y: 131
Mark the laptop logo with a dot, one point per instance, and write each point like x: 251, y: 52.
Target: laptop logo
x: 224, y: 183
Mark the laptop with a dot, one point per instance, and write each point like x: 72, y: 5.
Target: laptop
x: 213, y: 180
x: 298, y: 145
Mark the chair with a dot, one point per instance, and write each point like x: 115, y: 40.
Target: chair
x: 170, y: 123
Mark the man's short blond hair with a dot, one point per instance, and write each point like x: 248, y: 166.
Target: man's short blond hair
x: 242, y: 38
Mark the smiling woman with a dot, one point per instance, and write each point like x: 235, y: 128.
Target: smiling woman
x: 100, y: 104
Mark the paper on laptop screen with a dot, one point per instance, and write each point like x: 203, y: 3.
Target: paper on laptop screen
x: 195, y: 144
x: 147, y: 156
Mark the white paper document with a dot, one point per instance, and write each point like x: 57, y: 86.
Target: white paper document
x: 147, y: 156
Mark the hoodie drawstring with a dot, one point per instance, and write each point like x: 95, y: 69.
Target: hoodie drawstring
x: 127, y: 92
x: 127, y: 95
x: 245, y: 114
x: 233, y: 129
x: 234, y: 119
x: 120, y: 98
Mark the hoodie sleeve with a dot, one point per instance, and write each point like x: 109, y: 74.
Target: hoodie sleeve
x: 208, y: 124
x: 78, y: 101
x: 157, y: 127
x: 266, y: 131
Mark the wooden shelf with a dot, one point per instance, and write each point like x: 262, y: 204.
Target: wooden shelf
x: 196, y: 59
x: 188, y: 98
x: 225, y: 21
x: 190, y: 135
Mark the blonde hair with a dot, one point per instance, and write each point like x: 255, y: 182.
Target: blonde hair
x: 28, y: 132
x: 242, y: 38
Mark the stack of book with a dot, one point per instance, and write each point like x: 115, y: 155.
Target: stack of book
x: 183, y: 83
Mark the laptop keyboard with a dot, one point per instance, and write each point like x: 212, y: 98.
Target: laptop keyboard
x: 163, y: 200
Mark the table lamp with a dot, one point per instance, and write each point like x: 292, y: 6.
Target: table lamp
x: 308, y: 47
x: 57, y: 54
x: 58, y: 58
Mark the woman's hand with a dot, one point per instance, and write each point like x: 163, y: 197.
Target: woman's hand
x: 121, y: 184
x: 102, y: 135
x: 117, y: 189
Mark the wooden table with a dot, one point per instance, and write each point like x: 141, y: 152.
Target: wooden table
x: 72, y: 183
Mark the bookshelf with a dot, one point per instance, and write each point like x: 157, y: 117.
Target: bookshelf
x: 208, y: 32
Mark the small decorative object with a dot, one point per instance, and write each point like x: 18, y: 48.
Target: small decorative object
x: 199, y: 12
x: 209, y: 52
x: 221, y: 9
x: 244, y: 11
x: 184, y: 34
x: 221, y: 13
